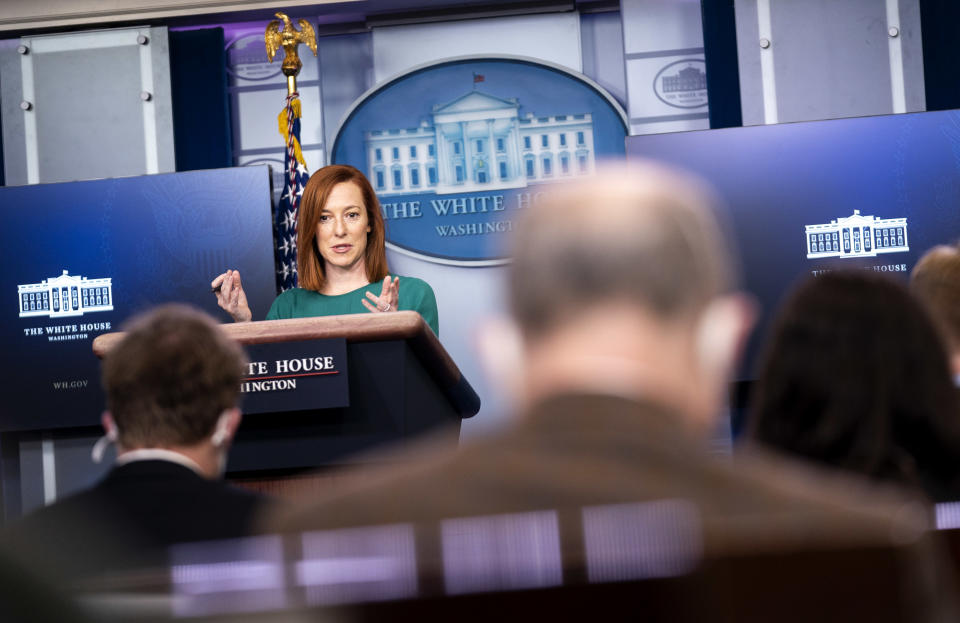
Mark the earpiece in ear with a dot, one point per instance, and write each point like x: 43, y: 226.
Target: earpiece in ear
x: 220, y: 433
x: 100, y: 448
x: 219, y: 437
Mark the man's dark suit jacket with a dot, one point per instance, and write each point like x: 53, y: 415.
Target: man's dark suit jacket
x: 129, y: 520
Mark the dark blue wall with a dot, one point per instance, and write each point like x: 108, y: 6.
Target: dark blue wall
x: 201, y: 111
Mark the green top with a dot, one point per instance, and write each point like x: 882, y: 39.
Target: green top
x: 414, y: 294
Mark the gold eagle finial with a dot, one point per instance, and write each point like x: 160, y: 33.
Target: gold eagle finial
x: 289, y: 38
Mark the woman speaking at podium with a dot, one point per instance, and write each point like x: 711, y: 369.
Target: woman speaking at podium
x: 341, y: 258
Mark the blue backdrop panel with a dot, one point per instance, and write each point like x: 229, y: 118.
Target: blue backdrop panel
x: 779, y: 180
x: 125, y: 244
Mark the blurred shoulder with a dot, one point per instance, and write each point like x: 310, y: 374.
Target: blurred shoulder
x: 849, y: 504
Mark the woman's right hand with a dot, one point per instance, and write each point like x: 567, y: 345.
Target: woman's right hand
x: 231, y: 297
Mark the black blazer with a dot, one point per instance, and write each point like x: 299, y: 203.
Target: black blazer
x: 129, y: 520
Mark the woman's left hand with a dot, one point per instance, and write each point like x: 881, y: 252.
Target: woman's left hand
x: 389, y: 297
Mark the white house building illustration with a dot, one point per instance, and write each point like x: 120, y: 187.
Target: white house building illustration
x: 857, y: 236
x: 66, y: 295
x: 479, y: 142
x: 687, y: 79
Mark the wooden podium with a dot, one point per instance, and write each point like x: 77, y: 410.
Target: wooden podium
x: 402, y: 383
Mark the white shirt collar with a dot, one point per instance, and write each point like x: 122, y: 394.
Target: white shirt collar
x: 158, y: 454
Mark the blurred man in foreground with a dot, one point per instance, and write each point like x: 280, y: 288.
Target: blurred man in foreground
x: 622, y: 292
x: 172, y: 390
x: 935, y: 281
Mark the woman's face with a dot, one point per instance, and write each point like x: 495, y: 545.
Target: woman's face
x: 343, y: 227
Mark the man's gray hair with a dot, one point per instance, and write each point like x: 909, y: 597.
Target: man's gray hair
x: 643, y: 234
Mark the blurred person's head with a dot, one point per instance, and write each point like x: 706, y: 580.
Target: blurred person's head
x: 935, y: 280
x: 855, y: 377
x: 173, y: 383
x: 339, y: 205
x: 623, y: 283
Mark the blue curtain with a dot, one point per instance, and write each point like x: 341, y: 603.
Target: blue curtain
x: 720, y: 55
x: 201, y: 105
x: 941, y: 73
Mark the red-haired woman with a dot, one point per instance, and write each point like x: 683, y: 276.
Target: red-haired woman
x: 341, y: 258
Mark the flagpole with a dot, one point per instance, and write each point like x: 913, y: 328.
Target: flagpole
x: 295, y: 168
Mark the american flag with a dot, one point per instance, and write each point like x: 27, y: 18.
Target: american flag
x: 295, y: 176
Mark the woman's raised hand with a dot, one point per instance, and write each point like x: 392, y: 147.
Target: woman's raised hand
x: 389, y: 297
x: 230, y: 295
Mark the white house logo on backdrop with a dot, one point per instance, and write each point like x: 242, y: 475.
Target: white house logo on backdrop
x: 682, y: 84
x: 857, y: 236
x: 246, y: 59
x: 479, y: 142
x: 66, y: 295
x: 455, y: 149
